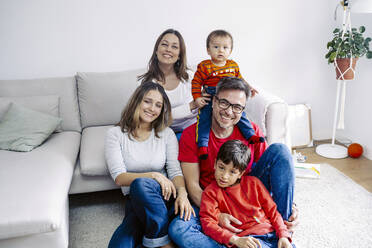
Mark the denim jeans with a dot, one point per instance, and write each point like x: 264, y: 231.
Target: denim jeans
x: 268, y: 240
x: 146, y: 219
x: 275, y: 170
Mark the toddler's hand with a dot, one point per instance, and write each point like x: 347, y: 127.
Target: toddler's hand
x: 200, y: 102
x: 253, y: 92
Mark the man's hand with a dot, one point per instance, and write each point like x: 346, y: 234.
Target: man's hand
x: 245, y: 242
x: 183, y: 206
x: 225, y: 220
x: 293, y: 219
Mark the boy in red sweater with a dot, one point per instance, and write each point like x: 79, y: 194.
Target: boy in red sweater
x: 245, y: 198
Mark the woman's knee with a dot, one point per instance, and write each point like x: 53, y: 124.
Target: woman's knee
x: 142, y: 186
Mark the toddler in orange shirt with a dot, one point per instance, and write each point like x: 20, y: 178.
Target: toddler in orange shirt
x: 207, y: 76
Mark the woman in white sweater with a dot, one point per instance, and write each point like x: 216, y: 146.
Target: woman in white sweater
x: 141, y: 154
x: 168, y: 67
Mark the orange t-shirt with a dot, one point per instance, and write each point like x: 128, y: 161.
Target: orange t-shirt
x: 209, y: 74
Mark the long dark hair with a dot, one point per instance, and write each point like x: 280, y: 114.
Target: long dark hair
x: 180, y: 67
x: 130, y: 120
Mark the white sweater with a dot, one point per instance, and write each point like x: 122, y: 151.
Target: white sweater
x: 154, y: 154
x: 180, y: 99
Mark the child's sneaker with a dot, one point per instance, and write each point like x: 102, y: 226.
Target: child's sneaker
x: 256, y: 139
x: 203, y: 153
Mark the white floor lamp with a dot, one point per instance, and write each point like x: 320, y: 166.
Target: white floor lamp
x: 332, y: 150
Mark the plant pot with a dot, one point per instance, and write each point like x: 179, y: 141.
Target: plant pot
x: 343, y: 68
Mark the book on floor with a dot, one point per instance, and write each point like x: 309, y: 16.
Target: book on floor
x: 307, y: 170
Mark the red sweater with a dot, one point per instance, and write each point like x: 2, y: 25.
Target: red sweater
x: 248, y: 201
x: 209, y: 74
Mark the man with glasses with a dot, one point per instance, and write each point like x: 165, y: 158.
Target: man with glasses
x: 271, y: 164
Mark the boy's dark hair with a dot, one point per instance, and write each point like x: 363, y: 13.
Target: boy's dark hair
x: 236, y: 152
x: 233, y: 83
x: 219, y: 33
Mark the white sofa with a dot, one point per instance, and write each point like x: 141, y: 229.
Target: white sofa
x: 34, y: 186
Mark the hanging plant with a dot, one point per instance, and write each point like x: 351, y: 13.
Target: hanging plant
x: 353, y: 45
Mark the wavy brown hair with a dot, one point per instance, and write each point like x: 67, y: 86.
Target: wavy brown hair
x: 130, y: 119
x: 180, y: 67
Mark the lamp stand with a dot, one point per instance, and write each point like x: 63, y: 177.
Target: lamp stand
x: 332, y: 150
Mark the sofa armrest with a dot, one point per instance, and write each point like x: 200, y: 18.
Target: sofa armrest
x: 270, y: 113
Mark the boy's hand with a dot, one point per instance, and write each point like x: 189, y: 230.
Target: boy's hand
x: 245, y: 242
x: 284, y: 243
x: 200, y: 102
x: 225, y: 220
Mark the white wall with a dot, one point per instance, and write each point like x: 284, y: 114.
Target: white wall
x: 279, y: 45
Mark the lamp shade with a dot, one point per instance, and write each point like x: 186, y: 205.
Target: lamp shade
x: 361, y: 6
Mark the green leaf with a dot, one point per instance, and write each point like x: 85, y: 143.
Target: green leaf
x: 336, y: 30
x: 362, y: 29
x: 332, y: 56
x: 369, y: 55
x: 329, y: 44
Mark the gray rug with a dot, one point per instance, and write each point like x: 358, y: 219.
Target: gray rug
x: 334, y: 212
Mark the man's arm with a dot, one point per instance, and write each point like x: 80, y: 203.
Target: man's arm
x: 191, y: 174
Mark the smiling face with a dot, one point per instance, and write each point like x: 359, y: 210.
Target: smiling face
x: 168, y: 50
x: 150, y: 107
x: 225, y: 174
x: 226, y: 118
x: 219, y: 48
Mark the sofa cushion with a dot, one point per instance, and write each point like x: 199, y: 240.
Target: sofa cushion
x: 84, y: 184
x: 45, y: 104
x: 102, y: 96
x: 64, y: 87
x: 92, y: 156
x: 37, y: 184
x: 23, y: 129
x: 270, y: 113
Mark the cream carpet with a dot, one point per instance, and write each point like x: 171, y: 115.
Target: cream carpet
x: 335, y: 212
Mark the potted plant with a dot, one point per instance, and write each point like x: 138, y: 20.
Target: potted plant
x: 342, y: 52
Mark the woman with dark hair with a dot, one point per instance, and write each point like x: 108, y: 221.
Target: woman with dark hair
x: 168, y: 67
x: 141, y: 154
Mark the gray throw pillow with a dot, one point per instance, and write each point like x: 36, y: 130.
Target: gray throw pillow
x: 23, y: 129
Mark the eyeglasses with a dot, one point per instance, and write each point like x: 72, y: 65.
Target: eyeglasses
x: 224, y: 104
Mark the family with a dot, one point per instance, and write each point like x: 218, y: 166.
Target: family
x: 195, y: 172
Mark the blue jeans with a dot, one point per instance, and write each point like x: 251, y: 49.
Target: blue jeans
x: 275, y: 170
x: 204, y: 122
x: 146, y: 219
x: 268, y: 240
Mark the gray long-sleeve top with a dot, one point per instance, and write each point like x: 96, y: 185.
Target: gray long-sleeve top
x: 154, y: 154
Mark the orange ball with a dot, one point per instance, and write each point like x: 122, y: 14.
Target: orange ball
x: 355, y: 150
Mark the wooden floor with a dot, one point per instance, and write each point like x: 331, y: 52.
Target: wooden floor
x: 359, y: 169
